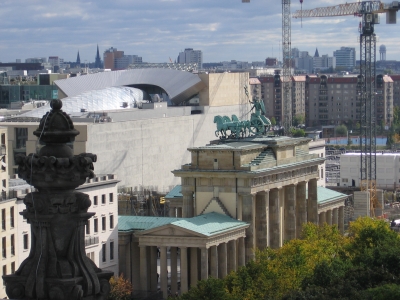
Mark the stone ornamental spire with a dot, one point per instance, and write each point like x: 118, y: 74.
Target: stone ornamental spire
x: 57, y: 267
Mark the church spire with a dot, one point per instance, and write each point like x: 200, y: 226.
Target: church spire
x: 316, y: 53
x: 97, y: 62
x: 78, y: 59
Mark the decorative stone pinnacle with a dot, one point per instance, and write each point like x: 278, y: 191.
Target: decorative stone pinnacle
x: 57, y: 267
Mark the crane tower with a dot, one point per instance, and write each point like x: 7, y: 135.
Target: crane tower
x: 286, y: 65
x: 369, y: 12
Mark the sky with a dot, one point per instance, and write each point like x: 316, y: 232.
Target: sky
x: 158, y: 30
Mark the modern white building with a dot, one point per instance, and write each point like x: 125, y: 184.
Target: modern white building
x: 387, y: 170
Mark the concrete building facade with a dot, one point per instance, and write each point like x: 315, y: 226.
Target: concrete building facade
x: 190, y: 56
x: 345, y: 57
x: 387, y: 170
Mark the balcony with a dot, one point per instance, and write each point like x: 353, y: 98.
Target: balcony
x: 91, y: 240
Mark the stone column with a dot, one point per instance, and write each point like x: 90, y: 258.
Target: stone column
x: 341, y: 219
x: 222, y: 260
x: 172, y: 212
x: 204, y: 263
x: 312, y: 211
x: 232, y: 256
x: 143, y: 268
x: 249, y: 217
x: 135, y: 265
x: 193, y: 267
x: 188, y: 205
x: 174, y: 269
x: 328, y: 217
x: 241, y: 252
x: 262, y: 220
x: 239, y: 207
x: 163, y: 272
x: 123, y: 251
x: 153, y: 269
x: 274, y: 219
x: 290, y: 213
x: 322, y: 218
x: 184, y: 270
x: 214, y: 262
x: 301, y: 207
x: 335, y: 216
x: 128, y: 255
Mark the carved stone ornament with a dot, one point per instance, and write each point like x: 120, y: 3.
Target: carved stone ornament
x: 57, y: 266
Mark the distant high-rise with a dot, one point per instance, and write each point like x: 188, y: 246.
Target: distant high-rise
x: 97, y: 62
x: 382, y: 52
x: 345, y: 57
x: 190, y: 56
x: 117, y: 60
x: 78, y: 59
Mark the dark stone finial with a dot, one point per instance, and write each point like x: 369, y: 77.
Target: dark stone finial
x: 56, y: 104
x: 58, y: 215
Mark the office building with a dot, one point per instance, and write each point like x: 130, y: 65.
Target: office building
x: 190, y: 56
x: 345, y: 57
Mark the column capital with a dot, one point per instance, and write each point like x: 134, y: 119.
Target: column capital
x: 264, y: 192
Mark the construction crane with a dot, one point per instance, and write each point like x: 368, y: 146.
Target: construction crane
x: 286, y: 65
x: 369, y: 12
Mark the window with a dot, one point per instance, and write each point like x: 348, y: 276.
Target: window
x: 88, y: 227
x: 12, y: 267
x: 322, y: 173
x: 12, y: 245
x: 4, y: 247
x: 96, y: 225
x: 111, y: 250
x: 95, y: 200
x: 3, y: 219
x: 103, y: 250
x: 103, y: 223
x: 12, y: 216
x: 4, y: 269
x: 103, y: 199
x: 25, y: 241
x: 111, y: 221
x: 111, y: 196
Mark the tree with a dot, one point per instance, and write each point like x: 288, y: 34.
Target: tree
x: 298, y: 119
x: 273, y: 121
x: 341, y: 130
x: 121, y: 289
x: 298, y: 132
x: 211, y: 289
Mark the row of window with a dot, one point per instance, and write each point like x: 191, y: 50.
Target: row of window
x: 103, y: 199
x: 12, y: 269
x: 103, y: 224
x: 4, y: 245
x: 104, y: 251
x: 4, y: 218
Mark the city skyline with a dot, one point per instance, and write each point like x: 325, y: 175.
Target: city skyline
x: 223, y: 30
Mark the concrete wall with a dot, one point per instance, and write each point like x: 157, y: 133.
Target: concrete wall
x: 224, y: 89
x: 144, y: 152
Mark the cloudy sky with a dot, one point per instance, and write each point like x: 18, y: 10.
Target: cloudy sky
x: 159, y: 29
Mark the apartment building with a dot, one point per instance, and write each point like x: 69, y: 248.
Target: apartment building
x: 8, y: 238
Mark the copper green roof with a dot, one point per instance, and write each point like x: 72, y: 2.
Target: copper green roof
x: 326, y: 195
x: 207, y: 224
x: 176, y: 192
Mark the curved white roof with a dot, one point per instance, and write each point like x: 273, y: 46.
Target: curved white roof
x: 179, y: 85
x: 98, y: 100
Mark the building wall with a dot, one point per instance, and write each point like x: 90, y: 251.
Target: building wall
x: 223, y: 89
x: 9, y: 252
x: 387, y: 170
